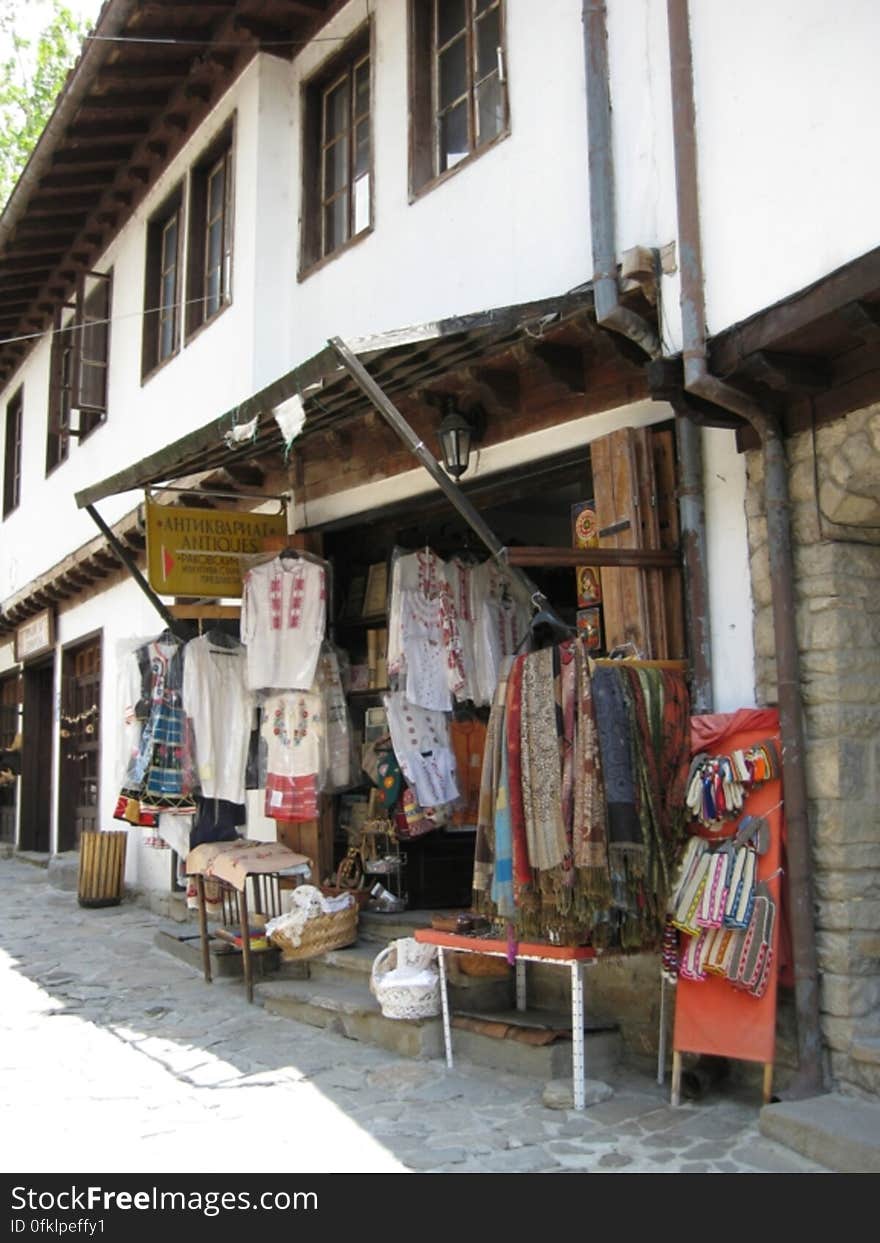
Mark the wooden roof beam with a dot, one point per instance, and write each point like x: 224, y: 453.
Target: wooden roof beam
x: 788, y: 372
x: 99, y: 156
x: 863, y: 320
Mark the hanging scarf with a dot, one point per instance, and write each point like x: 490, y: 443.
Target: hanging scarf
x: 566, y: 678
x: 589, y: 835
x: 541, y: 773
x: 484, y: 844
x: 502, y: 876
x: 613, y: 724
x: 522, y: 873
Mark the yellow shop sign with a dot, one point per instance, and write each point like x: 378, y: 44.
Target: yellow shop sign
x: 195, y: 552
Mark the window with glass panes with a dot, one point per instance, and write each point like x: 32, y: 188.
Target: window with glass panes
x: 12, y: 454
x: 345, y: 156
x: 458, y: 83
x: 162, y: 284
x: 60, y: 372
x: 217, y: 247
x: 167, y: 307
x: 337, y: 153
x: 209, y: 232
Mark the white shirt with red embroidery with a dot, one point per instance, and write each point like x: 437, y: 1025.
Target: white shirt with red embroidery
x: 283, y: 618
x: 423, y: 638
x: 503, y: 611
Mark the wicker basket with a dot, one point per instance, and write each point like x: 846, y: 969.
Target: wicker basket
x: 323, y: 933
x: 399, y: 1000
x: 487, y: 966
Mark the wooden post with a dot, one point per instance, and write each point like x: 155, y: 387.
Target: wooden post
x: 246, y: 942
x: 203, y: 927
x: 767, y: 1095
x: 676, y: 1078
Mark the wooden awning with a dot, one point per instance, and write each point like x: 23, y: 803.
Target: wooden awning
x: 401, y: 362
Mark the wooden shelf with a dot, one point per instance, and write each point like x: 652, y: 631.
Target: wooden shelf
x: 361, y: 623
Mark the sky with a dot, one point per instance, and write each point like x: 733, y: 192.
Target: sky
x: 31, y: 15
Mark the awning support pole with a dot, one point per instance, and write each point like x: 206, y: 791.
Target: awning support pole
x: 131, y: 565
x: 454, y: 494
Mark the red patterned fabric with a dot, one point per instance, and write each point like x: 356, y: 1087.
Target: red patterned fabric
x: 292, y: 798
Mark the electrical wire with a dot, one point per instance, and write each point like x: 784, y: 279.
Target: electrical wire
x: 210, y: 43
x: 73, y: 324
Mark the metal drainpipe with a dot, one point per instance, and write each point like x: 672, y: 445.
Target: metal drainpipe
x: 610, y: 314
x: 606, y: 294
x: 699, y: 381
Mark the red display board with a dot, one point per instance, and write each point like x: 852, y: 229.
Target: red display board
x: 712, y: 1016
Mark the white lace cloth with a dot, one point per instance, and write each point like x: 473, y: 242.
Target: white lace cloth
x: 307, y: 903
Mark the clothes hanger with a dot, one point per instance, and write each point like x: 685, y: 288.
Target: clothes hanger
x: 221, y: 641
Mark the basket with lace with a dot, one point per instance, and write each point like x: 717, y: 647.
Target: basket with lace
x: 405, y: 981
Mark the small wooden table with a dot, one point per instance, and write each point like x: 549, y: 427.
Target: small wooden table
x: 572, y: 956
x: 232, y: 864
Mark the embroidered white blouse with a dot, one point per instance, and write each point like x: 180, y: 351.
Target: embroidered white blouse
x: 217, y: 700
x: 283, y: 617
x: 459, y: 574
x: 503, y: 612
x: 423, y: 639
x: 421, y: 744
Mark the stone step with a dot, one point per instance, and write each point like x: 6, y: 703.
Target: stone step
x: 378, y: 926
x: 226, y: 960
x: 344, y: 1004
x: 464, y: 991
x: 840, y: 1132
x: 354, y: 960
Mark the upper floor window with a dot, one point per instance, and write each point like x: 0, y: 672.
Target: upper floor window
x: 78, y: 368
x: 92, y: 354
x: 458, y: 84
x: 161, y: 335
x: 12, y: 454
x: 337, y: 153
x: 209, y: 240
x: 60, y: 390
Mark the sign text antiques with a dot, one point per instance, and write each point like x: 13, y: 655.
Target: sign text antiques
x: 195, y: 552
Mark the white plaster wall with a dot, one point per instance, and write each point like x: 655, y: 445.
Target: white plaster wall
x: 730, y: 594
x: 210, y: 374
x: 787, y: 98
x: 511, y: 226
x: 7, y: 656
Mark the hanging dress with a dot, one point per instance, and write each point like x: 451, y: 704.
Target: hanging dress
x: 159, y: 776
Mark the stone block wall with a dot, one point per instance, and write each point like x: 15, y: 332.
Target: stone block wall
x: 837, y: 584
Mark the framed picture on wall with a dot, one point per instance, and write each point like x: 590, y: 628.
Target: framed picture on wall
x: 375, y: 597
x: 589, y: 624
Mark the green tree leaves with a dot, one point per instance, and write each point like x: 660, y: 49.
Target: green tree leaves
x: 31, y: 76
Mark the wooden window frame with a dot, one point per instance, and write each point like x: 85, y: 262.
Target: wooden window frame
x: 61, y: 367
x: 157, y: 226
x: 12, y: 452
x: 94, y: 306
x: 424, y: 104
x: 220, y: 153
x: 313, y: 250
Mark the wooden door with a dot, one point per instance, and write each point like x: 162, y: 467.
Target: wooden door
x: 80, y: 743
x: 636, y: 508
x: 10, y: 726
x: 36, y: 757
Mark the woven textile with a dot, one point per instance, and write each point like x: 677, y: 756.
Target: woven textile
x: 541, y: 771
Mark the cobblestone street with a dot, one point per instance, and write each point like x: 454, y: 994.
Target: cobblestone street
x: 116, y: 1057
